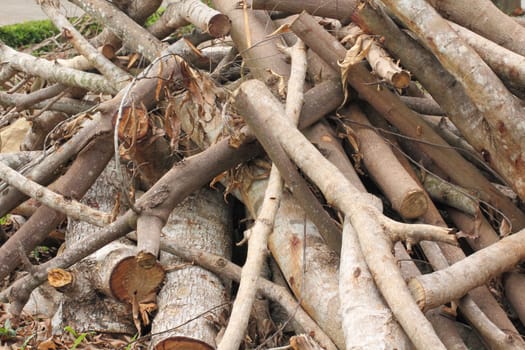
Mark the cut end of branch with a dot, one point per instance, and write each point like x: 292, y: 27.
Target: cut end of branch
x: 414, y: 205
x: 108, y: 51
x: 401, y: 79
x: 219, y: 26
x: 129, y: 281
x: 177, y: 343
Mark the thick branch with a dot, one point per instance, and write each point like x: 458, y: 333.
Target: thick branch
x: 263, y: 227
x: 173, y: 187
x: 71, y: 208
x: 452, y: 283
x: 502, y: 111
x: 341, y: 9
x: 182, y: 12
x: 407, y: 121
x: 132, y: 34
x: 117, y: 77
x: 53, y: 72
x: 365, y: 217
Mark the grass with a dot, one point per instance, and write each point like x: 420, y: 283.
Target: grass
x: 27, y: 33
x: 33, y: 32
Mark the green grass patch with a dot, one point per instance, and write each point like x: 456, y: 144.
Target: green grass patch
x: 155, y: 16
x: 27, y: 33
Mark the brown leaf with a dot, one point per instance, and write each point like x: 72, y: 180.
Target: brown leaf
x: 133, y: 124
x: 48, y: 344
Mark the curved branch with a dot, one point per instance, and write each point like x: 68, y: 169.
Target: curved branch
x: 70, y: 207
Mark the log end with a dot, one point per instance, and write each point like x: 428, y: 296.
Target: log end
x: 59, y: 278
x: 219, y: 26
x: 413, y: 205
x: 401, y: 79
x: 129, y: 281
x: 108, y: 51
x: 182, y: 343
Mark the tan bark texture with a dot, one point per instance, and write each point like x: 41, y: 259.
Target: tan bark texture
x: 503, y: 112
x: 192, y: 298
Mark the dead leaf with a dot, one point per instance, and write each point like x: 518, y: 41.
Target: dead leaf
x: 133, y: 125
x: 355, y: 55
x: 48, y: 344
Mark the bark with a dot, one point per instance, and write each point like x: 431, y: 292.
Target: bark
x: 405, y: 195
x: 480, y: 235
x: 181, y: 13
x: 228, y: 270
x: 185, y: 175
x: 39, y: 95
x: 445, y: 327
x: 501, y: 110
x: 290, y: 140
x: 487, y: 21
x: 440, y: 256
x: 139, y: 12
x: 326, y: 141
x: 71, y: 208
x: 82, y: 63
x: 341, y: 10
x: 78, y: 180
x: 53, y: 72
x: 208, y: 129
x: 505, y: 63
x: 250, y: 31
x: 80, y: 306
x: 116, y: 76
x: 133, y: 36
x: 92, y: 288
x: 19, y: 159
x: 451, y: 195
x: 45, y: 172
x: 313, y: 281
x: 258, y: 234
x: 367, y: 325
x: 40, y: 128
x: 64, y: 105
x: 303, y: 342
x: 422, y: 105
x: 320, y: 306
x: 404, y: 119
x: 435, y: 289
x: 74, y: 184
x: 192, y: 297
x: 380, y: 61
x: 319, y: 101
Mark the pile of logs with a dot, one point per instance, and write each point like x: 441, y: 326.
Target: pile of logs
x: 376, y: 151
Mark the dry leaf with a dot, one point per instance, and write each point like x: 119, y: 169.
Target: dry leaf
x: 48, y: 344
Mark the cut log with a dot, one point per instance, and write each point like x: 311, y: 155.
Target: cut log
x: 111, y: 271
x: 192, y: 298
